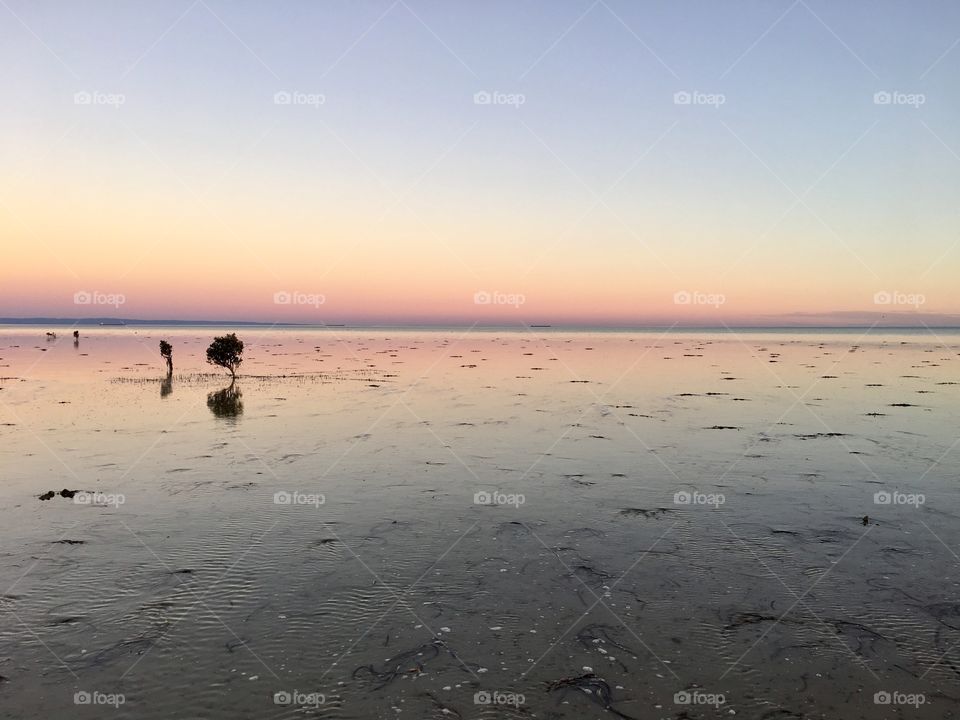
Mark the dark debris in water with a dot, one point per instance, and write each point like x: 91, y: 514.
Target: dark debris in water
x: 445, y: 709
x: 740, y: 619
x: 595, y: 688
x: 596, y: 633
x: 410, y: 662
x: 136, y: 645
x: 652, y: 513
x: 67, y: 620
x: 232, y: 645
x: 50, y: 494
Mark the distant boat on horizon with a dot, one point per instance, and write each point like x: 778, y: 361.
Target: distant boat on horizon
x: 112, y: 322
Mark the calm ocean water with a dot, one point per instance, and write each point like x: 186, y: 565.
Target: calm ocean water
x: 481, y: 523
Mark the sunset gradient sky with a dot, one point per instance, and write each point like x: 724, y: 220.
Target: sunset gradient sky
x: 398, y: 198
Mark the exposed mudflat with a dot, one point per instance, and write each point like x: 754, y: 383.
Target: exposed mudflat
x: 443, y: 524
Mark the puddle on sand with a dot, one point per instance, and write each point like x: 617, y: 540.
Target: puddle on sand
x: 367, y: 520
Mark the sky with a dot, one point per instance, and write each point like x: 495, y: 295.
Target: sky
x: 562, y: 161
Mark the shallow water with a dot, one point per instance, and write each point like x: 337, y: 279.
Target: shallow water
x: 784, y: 588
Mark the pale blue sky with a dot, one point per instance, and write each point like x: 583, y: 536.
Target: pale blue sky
x: 399, y: 124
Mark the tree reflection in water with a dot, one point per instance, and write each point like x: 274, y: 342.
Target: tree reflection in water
x: 226, y: 403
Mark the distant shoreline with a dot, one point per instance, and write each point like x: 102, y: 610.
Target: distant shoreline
x: 114, y: 323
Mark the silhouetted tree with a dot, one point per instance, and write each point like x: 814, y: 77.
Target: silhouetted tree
x: 226, y: 352
x: 166, y: 352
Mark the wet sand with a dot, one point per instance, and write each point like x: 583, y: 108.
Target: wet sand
x: 437, y: 524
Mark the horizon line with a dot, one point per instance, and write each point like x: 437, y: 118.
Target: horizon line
x: 678, y: 325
